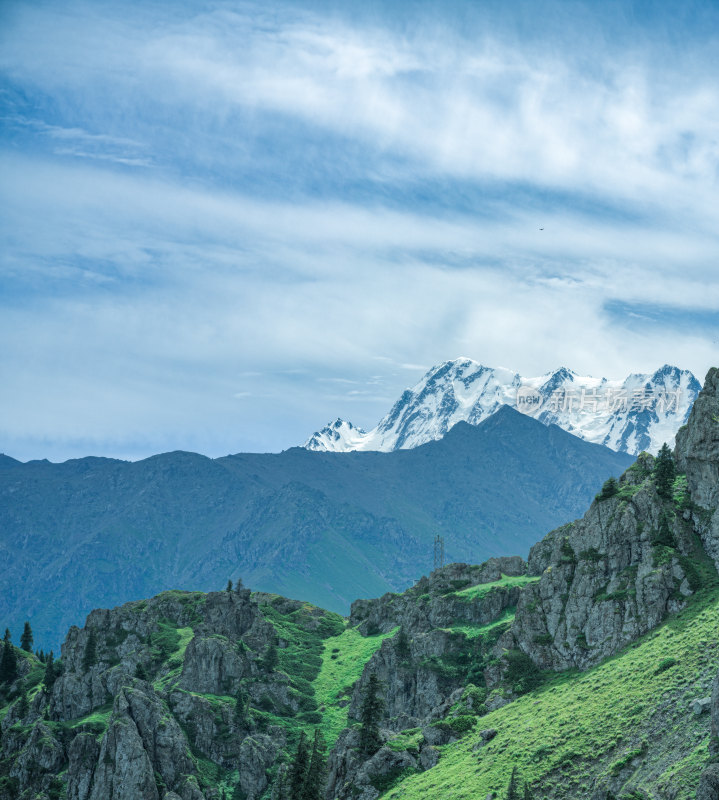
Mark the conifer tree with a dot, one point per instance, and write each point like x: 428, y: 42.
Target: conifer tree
x: 229, y: 586
x: 50, y: 674
x: 609, y: 489
x: 272, y: 658
x: 90, y: 658
x: 23, y: 706
x: 238, y: 585
x: 664, y: 535
x: 664, y: 472
x: 527, y: 792
x: 239, y: 793
x: 300, y: 765
x: 26, y: 638
x: 372, y: 706
x: 279, y: 791
x: 8, y: 663
x: 402, y: 644
x: 314, y: 781
x: 140, y: 672
x: 241, y: 708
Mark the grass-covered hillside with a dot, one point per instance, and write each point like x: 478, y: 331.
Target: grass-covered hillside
x: 628, y: 721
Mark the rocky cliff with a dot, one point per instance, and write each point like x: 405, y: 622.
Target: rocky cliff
x: 172, y: 697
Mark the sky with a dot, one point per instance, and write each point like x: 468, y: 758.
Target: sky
x: 225, y: 224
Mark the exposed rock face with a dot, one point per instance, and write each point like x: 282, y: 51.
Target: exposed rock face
x: 709, y: 784
x: 604, y: 579
x: 149, y: 691
x: 697, y: 453
x: 438, y: 605
x: 350, y: 777
x: 423, y: 677
x: 143, y: 741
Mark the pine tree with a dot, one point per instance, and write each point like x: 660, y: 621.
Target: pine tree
x: 272, y: 658
x: 26, y: 638
x: 229, y: 586
x: 23, y: 706
x: 241, y: 707
x: 609, y: 489
x: 513, y: 788
x: 8, y: 663
x: 402, y: 644
x: 372, y: 706
x: 314, y: 780
x: 664, y: 535
x: 238, y: 585
x: 300, y: 765
x: 140, y: 672
x: 50, y: 674
x: 239, y: 793
x: 664, y: 472
x: 279, y: 791
x: 527, y: 792
x: 90, y: 658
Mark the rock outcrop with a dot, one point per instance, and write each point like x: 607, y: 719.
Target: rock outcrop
x: 157, y: 696
x: 608, y: 578
x: 697, y: 454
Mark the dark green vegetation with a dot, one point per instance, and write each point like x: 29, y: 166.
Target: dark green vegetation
x: 99, y: 532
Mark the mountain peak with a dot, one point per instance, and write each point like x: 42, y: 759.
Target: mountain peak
x: 637, y: 413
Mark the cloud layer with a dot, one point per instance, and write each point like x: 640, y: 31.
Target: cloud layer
x: 225, y: 224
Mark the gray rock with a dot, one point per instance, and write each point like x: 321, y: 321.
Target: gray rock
x: 428, y: 757
x: 709, y: 784
x: 488, y: 734
x: 697, y: 455
x: 601, y: 588
x: 700, y: 705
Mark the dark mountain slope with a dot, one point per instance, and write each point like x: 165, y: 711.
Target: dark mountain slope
x: 327, y: 527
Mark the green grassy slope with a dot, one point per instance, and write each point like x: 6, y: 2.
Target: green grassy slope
x: 343, y: 659
x: 627, y: 719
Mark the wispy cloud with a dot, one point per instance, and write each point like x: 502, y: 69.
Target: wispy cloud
x: 335, y: 201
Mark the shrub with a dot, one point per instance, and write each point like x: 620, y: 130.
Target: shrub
x: 522, y: 673
x: 609, y: 489
x: 543, y: 638
x: 567, y: 552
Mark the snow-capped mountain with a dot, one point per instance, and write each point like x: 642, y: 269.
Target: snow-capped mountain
x: 638, y: 413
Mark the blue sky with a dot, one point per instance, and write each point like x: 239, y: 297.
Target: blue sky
x: 224, y: 224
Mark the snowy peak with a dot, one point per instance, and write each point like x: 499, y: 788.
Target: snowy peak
x: 339, y: 436
x: 639, y: 413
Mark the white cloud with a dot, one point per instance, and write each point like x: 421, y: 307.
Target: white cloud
x: 195, y: 304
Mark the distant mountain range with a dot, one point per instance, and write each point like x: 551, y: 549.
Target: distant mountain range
x: 325, y: 527
x: 639, y: 413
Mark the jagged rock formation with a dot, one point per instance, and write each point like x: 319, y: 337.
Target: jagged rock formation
x: 158, y: 680
x: 439, y: 605
x: 447, y: 626
x: 605, y: 580
x: 697, y: 453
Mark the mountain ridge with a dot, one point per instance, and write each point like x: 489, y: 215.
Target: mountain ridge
x: 365, y: 521
x: 639, y: 413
